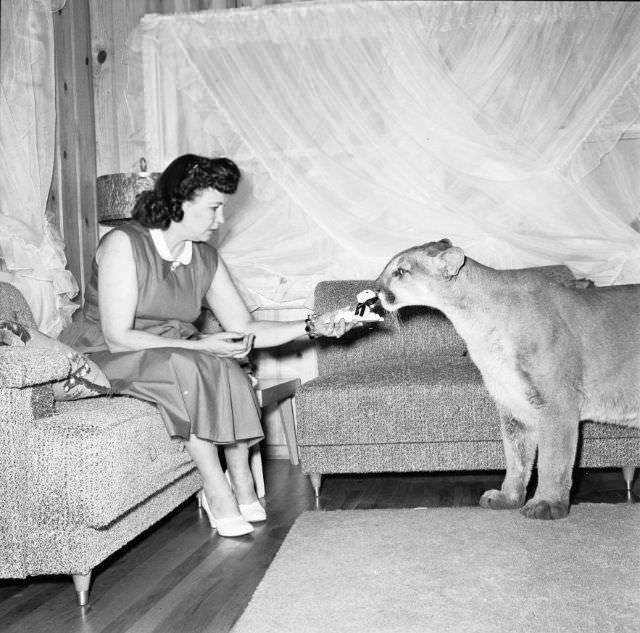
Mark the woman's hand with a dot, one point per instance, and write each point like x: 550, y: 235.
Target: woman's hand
x: 227, y: 344
x: 334, y: 323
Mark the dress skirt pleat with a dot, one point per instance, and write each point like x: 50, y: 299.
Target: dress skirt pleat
x: 197, y: 393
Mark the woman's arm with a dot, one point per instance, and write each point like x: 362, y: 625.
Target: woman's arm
x: 232, y: 313
x: 117, y: 300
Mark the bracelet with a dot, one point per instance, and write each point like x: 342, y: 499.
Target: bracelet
x: 310, y: 326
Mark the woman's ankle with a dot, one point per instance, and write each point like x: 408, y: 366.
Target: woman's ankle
x: 243, y: 487
x: 223, y: 504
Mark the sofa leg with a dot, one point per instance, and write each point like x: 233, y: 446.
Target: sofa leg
x: 316, y: 480
x: 81, y: 583
x: 628, y: 472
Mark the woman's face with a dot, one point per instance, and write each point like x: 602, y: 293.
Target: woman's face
x: 203, y: 214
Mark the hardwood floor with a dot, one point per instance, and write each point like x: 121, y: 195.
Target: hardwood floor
x: 179, y: 576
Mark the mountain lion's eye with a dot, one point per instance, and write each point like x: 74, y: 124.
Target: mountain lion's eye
x: 399, y: 272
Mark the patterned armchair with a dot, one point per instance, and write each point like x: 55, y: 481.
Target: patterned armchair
x: 78, y: 479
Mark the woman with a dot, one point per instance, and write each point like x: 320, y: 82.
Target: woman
x: 150, y: 279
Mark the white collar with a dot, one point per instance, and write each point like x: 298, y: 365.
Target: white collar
x: 184, y: 258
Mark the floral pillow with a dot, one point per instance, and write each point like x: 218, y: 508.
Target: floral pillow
x: 86, y: 378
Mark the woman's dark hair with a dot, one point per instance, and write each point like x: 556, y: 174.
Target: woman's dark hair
x: 186, y: 175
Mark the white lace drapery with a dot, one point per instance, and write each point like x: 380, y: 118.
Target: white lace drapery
x: 364, y: 128
x: 31, y: 248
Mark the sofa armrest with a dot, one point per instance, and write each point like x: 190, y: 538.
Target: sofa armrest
x: 25, y: 395
x: 25, y: 367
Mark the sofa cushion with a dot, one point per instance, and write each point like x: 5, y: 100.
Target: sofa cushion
x: 431, y: 400
x: 411, y: 333
x: 97, y: 458
x: 434, y: 400
x: 598, y: 430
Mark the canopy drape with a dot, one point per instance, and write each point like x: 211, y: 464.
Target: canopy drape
x: 363, y: 128
x: 31, y: 249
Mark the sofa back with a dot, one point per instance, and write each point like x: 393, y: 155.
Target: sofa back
x: 408, y: 335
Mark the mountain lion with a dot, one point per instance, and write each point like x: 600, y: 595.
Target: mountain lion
x: 550, y: 356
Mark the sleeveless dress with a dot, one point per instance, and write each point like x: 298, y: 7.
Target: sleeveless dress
x: 196, y: 392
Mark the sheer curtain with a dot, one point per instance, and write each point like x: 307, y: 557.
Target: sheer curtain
x: 31, y: 249
x: 363, y: 128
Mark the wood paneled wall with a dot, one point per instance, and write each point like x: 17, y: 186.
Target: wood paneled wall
x: 111, y: 25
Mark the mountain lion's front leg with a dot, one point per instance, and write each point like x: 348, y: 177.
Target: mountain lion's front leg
x: 520, y: 441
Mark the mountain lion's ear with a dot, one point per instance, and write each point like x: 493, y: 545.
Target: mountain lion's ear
x: 451, y: 261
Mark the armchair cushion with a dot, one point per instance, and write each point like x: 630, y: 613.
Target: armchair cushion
x: 107, y: 455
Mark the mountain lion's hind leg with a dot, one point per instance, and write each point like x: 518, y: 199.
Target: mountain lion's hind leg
x: 520, y: 443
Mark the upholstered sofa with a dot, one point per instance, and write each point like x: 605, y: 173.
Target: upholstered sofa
x: 405, y: 396
x: 78, y: 479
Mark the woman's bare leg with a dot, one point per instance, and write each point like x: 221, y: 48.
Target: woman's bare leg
x: 237, y: 456
x: 222, y: 501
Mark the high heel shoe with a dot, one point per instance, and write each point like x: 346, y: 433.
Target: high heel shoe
x: 233, y: 526
x: 253, y: 512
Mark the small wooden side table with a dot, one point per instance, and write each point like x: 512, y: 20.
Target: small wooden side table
x: 272, y: 391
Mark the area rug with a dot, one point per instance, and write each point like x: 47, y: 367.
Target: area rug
x: 459, y: 570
